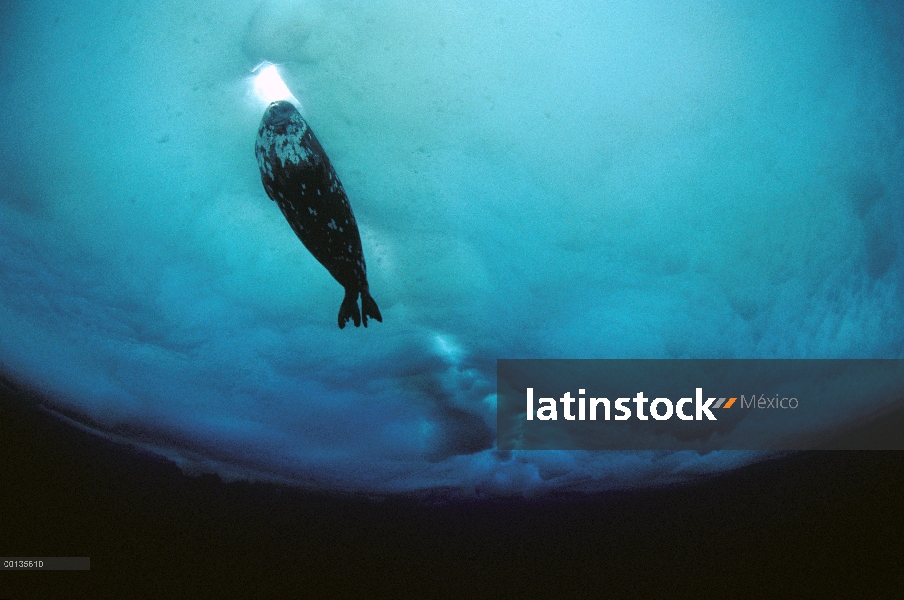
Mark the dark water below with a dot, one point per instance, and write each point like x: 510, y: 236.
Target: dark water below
x: 810, y: 524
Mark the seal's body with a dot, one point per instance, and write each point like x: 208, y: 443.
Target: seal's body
x: 298, y: 176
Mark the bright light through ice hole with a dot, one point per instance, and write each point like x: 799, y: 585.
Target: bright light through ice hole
x: 269, y: 86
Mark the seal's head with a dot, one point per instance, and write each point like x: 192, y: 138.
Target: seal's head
x: 280, y: 113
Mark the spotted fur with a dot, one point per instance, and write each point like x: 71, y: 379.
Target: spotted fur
x: 298, y: 176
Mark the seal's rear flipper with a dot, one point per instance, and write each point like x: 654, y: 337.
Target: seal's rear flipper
x: 349, y: 310
x: 369, y: 308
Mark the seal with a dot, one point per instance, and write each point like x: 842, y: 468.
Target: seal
x: 298, y: 176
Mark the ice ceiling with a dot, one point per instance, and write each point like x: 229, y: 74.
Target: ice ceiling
x: 546, y: 180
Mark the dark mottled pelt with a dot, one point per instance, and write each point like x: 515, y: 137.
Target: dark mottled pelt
x: 298, y: 175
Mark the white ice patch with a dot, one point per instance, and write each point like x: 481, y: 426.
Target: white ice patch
x: 269, y: 86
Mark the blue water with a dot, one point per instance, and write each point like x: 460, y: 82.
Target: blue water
x: 621, y: 179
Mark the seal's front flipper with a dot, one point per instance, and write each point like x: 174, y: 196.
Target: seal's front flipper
x: 369, y: 308
x: 349, y: 310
